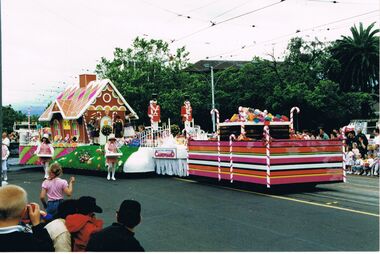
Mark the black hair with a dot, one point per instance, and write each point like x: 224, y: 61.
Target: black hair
x: 47, y: 140
x: 129, y: 213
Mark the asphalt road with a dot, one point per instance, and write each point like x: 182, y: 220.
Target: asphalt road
x: 197, y: 215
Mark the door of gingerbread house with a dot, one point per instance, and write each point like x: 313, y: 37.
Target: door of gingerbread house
x: 106, y: 120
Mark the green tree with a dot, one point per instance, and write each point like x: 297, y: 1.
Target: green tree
x: 149, y: 67
x: 10, y: 116
x: 358, y: 56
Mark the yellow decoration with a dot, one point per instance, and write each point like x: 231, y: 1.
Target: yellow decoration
x: 66, y: 125
x: 250, y: 116
x: 98, y: 166
x: 99, y: 158
x: 234, y: 118
x: 70, y: 161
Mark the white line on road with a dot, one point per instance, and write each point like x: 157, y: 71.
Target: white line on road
x: 292, y: 199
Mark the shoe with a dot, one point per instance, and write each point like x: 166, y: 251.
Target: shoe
x: 113, y: 178
x: 369, y: 174
x: 4, y: 183
x: 108, y: 177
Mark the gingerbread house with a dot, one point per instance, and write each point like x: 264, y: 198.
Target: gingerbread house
x: 70, y: 113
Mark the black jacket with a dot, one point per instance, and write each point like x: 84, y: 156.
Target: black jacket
x: 114, y: 238
x: 20, y: 241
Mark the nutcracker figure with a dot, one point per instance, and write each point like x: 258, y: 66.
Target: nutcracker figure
x: 186, y: 113
x: 154, y: 112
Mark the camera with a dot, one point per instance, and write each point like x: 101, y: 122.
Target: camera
x: 43, y: 215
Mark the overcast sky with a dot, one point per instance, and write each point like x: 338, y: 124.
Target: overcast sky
x: 46, y: 44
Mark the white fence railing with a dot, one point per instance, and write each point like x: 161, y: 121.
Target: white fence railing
x: 151, y: 138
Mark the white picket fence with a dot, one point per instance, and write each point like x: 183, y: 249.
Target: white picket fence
x: 151, y: 138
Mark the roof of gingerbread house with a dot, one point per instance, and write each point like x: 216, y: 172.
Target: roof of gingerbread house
x: 75, y: 100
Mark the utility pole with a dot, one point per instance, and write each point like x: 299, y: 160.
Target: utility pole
x: 212, y: 98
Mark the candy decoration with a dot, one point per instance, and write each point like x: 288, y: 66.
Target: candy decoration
x: 218, y: 134
x: 85, y: 125
x: 344, y: 159
x: 232, y: 136
x: 267, y: 139
x: 291, y: 118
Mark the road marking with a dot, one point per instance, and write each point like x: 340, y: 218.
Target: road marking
x: 367, y: 186
x: 185, y: 180
x: 305, y: 202
x: 291, y: 199
x: 343, y: 199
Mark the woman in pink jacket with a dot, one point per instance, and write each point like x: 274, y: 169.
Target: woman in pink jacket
x: 45, y: 151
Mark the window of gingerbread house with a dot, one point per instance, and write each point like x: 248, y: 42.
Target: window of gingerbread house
x: 75, y: 129
x: 57, y: 128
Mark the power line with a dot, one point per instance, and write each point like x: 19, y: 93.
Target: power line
x: 250, y: 12
x: 226, y: 20
x: 229, y: 10
x: 290, y: 34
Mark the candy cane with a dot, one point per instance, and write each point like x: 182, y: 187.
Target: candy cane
x: 113, y: 121
x: 291, y: 118
x: 267, y: 138
x: 85, y: 125
x: 113, y: 116
x: 344, y: 158
x: 232, y: 136
x: 218, y: 133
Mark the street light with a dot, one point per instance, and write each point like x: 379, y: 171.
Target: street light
x: 213, y: 89
x: 212, y: 83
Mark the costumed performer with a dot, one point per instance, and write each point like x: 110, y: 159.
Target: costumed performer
x: 187, y: 114
x: 111, y: 161
x: 94, y: 128
x: 45, y: 148
x: 118, y: 127
x: 154, y: 113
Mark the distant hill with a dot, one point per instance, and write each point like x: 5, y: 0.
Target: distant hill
x: 34, y: 110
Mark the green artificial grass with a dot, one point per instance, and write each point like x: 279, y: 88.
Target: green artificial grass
x: 96, y: 159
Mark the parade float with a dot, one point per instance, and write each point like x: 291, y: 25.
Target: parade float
x: 252, y: 146
x: 77, y: 119
x: 261, y: 148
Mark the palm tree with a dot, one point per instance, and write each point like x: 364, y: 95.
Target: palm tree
x: 358, y: 56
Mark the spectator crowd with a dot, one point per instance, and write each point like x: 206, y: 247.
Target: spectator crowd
x: 361, y: 157
x: 67, y: 225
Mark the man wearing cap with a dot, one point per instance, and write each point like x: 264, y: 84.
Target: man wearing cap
x: 111, y: 161
x: 120, y: 235
x: 45, y: 148
x: 82, y: 224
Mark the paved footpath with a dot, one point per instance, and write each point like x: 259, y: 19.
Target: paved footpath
x: 197, y: 215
